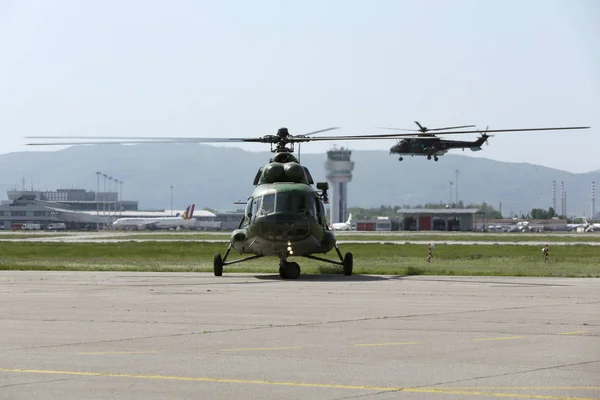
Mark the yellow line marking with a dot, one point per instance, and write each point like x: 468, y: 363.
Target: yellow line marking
x: 491, y: 394
x: 572, y: 333
x: 501, y: 338
x: 522, y: 388
x: 385, y: 344
x: 200, y: 379
x: 116, y: 352
x: 262, y: 348
x: 294, y: 384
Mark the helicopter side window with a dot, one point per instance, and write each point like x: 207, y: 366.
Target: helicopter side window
x: 256, y: 206
x: 320, y: 212
x: 249, y: 209
x: 312, y: 207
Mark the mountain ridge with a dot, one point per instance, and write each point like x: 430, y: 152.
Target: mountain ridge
x: 217, y: 176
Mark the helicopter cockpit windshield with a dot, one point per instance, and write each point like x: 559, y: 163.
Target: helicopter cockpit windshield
x: 284, y: 203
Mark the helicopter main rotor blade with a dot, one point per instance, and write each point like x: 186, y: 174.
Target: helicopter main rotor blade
x: 398, y: 129
x: 356, y: 137
x: 516, y: 130
x: 412, y: 135
x: 427, y: 129
x: 264, y: 139
x: 451, y: 127
x: 319, y: 131
x: 137, y: 141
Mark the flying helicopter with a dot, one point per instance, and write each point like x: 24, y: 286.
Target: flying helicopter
x: 284, y: 215
x: 428, y: 144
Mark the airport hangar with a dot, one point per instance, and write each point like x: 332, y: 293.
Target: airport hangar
x: 424, y: 219
x: 78, y: 209
x: 439, y: 219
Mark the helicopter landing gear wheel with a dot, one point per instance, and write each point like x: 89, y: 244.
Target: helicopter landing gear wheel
x: 429, y: 157
x: 435, y: 158
x: 348, y: 264
x: 289, y: 270
x: 400, y: 159
x: 218, y: 264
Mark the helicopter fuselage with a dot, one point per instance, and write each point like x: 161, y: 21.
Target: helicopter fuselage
x: 283, y: 219
x: 433, y: 146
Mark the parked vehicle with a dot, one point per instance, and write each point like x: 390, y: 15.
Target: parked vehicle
x: 58, y: 226
x: 32, y: 227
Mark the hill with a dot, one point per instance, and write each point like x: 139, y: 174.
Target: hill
x: 217, y: 176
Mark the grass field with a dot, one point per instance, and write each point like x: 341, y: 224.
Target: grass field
x: 406, y: 259
x: 482, y: 237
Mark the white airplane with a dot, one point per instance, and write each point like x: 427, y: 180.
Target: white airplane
x: 343, y: 226
x: 584, y: 227
x: 521, y: 226
x: 185, y: 219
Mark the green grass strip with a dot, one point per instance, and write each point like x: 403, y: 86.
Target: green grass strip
x: 387, y: 259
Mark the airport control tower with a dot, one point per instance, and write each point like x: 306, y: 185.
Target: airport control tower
x: 339, y: 173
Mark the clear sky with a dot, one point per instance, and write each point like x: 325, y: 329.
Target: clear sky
x: 244, y: 68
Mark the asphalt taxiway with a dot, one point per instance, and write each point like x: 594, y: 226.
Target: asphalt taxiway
x: 89, y: 335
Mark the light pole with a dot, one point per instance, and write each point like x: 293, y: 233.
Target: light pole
x: 104, y: 202
x: 171, y: 200
x: 97, y: 203
x: 121, y: 198
x: 456, y: 187
x: 114, y: 204
x: 450, y: 183
x: 110, y: 189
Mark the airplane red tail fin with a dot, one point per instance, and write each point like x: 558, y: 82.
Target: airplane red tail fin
x: 184, y: 215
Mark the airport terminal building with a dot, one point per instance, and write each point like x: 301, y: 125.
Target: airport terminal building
x: 76, y: 208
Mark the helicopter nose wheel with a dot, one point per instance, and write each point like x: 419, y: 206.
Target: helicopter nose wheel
x: 429, y: 157
x: 400, y: 159
x: 348, y: 264
x: 435, y: 158
x: 289, y: 270
x: 218, y: 264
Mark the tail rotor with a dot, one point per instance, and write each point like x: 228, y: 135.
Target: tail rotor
x: 485, y: 136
